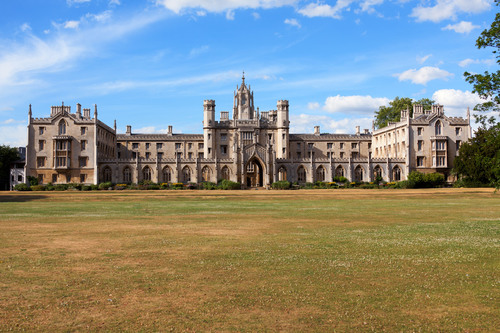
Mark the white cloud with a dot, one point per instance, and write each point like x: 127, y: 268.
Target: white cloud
x: 448, y: 9
x: 201, y: 13
x: 71, y: 2
x: 456, y: 101
x: 21, y: 62
x: 199, y: 50
x: 423, y: 75
x: 304, y: 123
x: 219, y: 6
x: 313, y: 105
x: 12, y: 121
x: 367, y: 5
x: 14, y: 136
x: 256, y: 15
x: 25, y: 27
x: 466, y: 62
x: 114, y: 2
x: 354, y: 104
x: 230, y: 15
x: 101, y: 17
x: 71, y: 24
x: 293, y: 22
x: 463, y: 27
x: 324, y: 10
x: 423, y: 59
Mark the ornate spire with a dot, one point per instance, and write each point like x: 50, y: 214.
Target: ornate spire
x: 243, y: 78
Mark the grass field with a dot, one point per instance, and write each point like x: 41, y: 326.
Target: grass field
x: 318, y: 260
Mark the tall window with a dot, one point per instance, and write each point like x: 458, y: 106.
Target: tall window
x: 167, y: 174
x: 358, y: 174
x: 41, y: 144
x: 205, y: 174
x: 40, y: 162
x: 127, y: 175
x: 146, y: 173
x: 225, y: 173
x: 420, y: 161
x: 62, y: 127
x: 420, y: 145
x: 396, y: 174
x: 438, y: 127
x: 320, y: 174
x: 301, y: 174
x: 106, y: 174
x: 282, y: 173
x: 186, y: 174
x: 377, y: 171
x: 339, y: 172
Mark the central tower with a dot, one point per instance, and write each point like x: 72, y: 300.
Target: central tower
x: 243, y: 101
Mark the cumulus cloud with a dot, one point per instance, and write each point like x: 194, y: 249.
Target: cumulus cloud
x: 219, y: 6
x: 71, y: 24
x: 256, y: 15
x: 367, y: 5
x: 423, y: 59
x: 230, y: 15
x: 13, y: 135
x: 463, y: 27
x: 313, y: 105
x: 447, y: 9
x: 456, y: 101
x: 304, y: 123
x: 423, y: 75
x: 199, y: 50
x: 71, y: 2
x: 25, y: 27
x: 354, y: 104
x: 293, y: 22
x: 324, y: 10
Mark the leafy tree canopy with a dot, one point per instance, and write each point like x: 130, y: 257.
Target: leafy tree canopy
x: 487, y: 85
x: 479, y: 160
x: 392, y: 113
x: 8, y: 155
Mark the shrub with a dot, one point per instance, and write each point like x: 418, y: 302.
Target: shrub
x: 120, y: 186
x: 228, y: 185
x: 281, y: 185
x: 146, y: 182
x: 94, y: 187
x: 61, y: 187
x: 164, y: 186
x: 74, y: 186
x: 177, y: 186
x: 32, y: 180
x: 105, y: 186
x: 86, y: 188
x: 340, y: 179
x: 420, y: 180
x: 208, y: 186
x: 49, y: 187
x: 22, y: 187
x: 38, y: 188
x: 332, y: 185
x: 308, y: 185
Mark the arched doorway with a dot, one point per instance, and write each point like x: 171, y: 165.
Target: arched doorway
x: 358, y: 174
x: 205, y: 174
x: 301, y: 174
x: 254, y: 173
x: 107, y: 174
x: 396, y: 173
x: 282, y: 173
x: 320, y: 174
x: 377, y: 172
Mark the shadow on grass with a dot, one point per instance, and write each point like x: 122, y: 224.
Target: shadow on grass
x: 21, y: 197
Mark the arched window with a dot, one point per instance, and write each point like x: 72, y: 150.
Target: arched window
x: 396, y: 173
x: 106, y: 174
x: 146, y: 173
x: 225, y: 173
x: 320, y: 174
x: 282, y: 173
x: 339, y: 171
x: 62, y: 127
x: 377, y: 172
x: 301, y: 174
x: 438, y: 127
x: 127, y: 175
x: 186, y: 174
x: 167, y: 174
x: 205, y: 174
x: 358, y: 174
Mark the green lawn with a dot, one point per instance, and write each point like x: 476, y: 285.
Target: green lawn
x: 318, y: 260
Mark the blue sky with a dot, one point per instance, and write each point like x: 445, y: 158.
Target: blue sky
x: 151, y: 63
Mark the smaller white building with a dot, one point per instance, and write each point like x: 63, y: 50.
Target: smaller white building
x: 17, y: 171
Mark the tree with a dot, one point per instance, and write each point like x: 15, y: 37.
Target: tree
x: 487, y: 85
x: 478, y: 162
x: 392, y: 113
x: 8, y: 155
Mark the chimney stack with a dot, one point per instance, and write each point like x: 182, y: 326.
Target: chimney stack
x: 316, y: 130
x: 129, y: 130
x: 357, y: 130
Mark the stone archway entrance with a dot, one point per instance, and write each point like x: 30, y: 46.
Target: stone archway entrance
x: 254, y: 173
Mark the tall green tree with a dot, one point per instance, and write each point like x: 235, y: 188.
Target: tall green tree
x: 8, y: 155
x: 478, y: 162
x: 487, y: 85
x: 392, y: 113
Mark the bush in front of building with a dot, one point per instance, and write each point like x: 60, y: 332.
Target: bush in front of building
x: 22, y: 187
x: 37, y: 188
x: 228, y: 185
x: 61, y: 187
x: 105, y: 185
x: 208, y: 186
x: 281, y: 185
x: 424, y: 180
x: 177, y: 186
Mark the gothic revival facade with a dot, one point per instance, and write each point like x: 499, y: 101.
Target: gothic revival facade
x: 249, y: 146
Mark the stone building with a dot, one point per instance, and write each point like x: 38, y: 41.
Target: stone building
x: 249, y: 146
